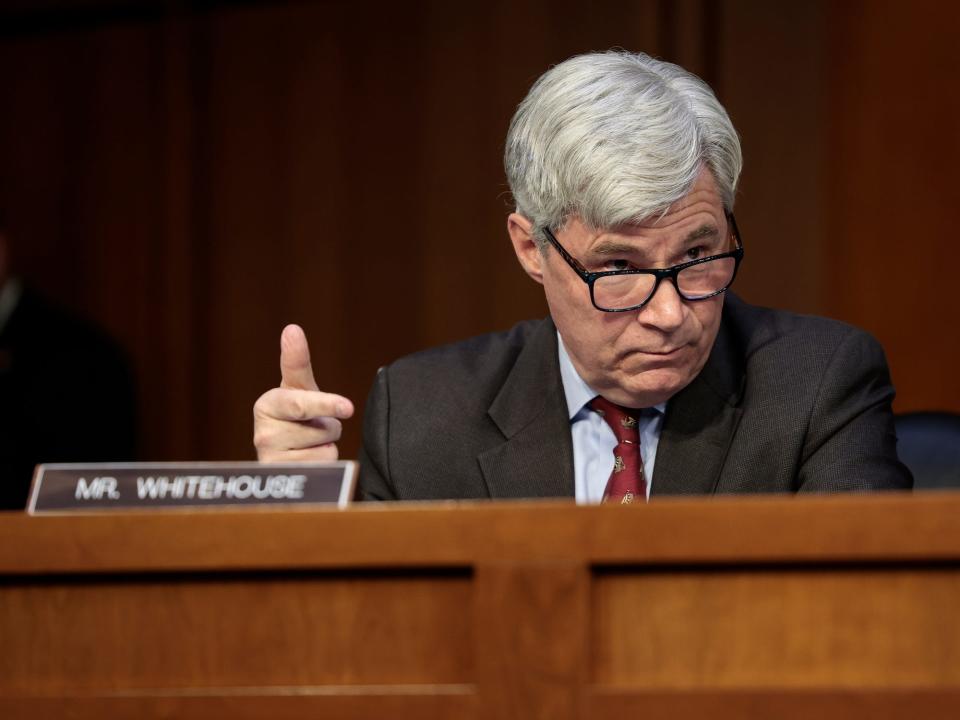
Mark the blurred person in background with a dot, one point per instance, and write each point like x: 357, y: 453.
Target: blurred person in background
x: 66, y: 389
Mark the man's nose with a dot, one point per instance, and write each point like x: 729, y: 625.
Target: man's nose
x: 665, y: 310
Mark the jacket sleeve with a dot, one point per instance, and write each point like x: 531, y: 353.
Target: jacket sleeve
x: 374, y: 482
x: 851, y: 443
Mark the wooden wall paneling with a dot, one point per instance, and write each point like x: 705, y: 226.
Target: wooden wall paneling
x: 174, y: 344
x: 385, y: 101
x: 460, y: 216
x: 314, y: 198
x: 116, y: 194
x: 246, y: 214
x: 517, y: 34
x: 118, y: 190
x: 226, y: 171
x: 295, y: 156
x: 84, y: 182
x: 690, y: 35
x: 194, y: 179
x: 328, y: 251
x: 770, y: 78
x: 43, y: 83
x: 892, y: 189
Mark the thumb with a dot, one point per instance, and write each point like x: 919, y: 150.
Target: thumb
x: 295, y: 370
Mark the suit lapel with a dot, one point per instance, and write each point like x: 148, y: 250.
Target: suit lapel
x: 536, y: 457
x: 700, y: 423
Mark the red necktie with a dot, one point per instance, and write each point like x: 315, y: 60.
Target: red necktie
x: 627, y: 483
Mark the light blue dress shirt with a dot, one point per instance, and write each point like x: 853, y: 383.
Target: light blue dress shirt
x: 594, y: 441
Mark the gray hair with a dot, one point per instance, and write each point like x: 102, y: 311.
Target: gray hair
x: 615, y: 138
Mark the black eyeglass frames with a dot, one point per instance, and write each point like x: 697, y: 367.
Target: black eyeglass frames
x: 623, y: 290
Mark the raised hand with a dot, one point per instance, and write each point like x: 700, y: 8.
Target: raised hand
x: 297, y: 421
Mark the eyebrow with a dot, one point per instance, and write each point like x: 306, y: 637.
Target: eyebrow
x: 613, y: 247
x: 702, y: 232
x: 616, y: 247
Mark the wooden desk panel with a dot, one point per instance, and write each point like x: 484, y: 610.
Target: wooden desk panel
x: 833, y: 607
x: 768, y: 628
x: 115, y: 634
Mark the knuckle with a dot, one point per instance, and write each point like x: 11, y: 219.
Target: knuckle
x: 296, y: 409
x: 260, y: 406
x: 266, y: 404
x: 263, y: 436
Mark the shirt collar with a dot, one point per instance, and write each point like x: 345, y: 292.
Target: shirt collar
x: 575, y: 388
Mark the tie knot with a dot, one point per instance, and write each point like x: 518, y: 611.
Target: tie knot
x: 623, y: 421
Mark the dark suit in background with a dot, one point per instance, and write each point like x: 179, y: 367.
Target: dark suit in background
x: 785, y: 403
x: 66, y: 395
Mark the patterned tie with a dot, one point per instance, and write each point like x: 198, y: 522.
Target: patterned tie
x: 627, y: 483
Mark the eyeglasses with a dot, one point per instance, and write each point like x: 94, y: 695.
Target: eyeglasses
x: 623, y: 290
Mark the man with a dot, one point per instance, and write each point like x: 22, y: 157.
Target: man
x: 54, y: 370
x: 624, y: 171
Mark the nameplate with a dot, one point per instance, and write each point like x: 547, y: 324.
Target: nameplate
x: 59, y: 487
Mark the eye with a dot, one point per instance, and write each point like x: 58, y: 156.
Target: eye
x: 617, y: 264
x: 696, y: 252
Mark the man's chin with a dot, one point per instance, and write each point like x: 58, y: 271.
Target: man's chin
x: 648, y: 388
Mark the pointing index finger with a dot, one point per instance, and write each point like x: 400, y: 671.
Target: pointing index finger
x: 302, y: 405
x: 296, y: 373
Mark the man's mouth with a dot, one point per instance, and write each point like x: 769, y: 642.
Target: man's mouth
x: 663, y: 353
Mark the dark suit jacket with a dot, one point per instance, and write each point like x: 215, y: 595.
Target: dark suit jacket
x: 785, y: 403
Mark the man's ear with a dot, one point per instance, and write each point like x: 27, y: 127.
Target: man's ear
x: 524, y: 245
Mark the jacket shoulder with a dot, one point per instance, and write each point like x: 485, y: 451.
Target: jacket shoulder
x: 792, y: 342
x: 470, y: 371
x: 815, y: 406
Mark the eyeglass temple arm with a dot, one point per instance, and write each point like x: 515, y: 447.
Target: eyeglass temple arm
x: 572, y: 261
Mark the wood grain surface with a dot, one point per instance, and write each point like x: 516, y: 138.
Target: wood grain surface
x: 837, y: 607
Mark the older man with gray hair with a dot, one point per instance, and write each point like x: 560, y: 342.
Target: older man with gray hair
x: 648, y: 376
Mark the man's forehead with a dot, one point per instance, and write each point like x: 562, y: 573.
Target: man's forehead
x: 634, y: 236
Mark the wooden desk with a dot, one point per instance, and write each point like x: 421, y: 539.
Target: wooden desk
x: 826, y: 607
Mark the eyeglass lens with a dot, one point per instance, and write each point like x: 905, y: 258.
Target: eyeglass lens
x: 616, y: 292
